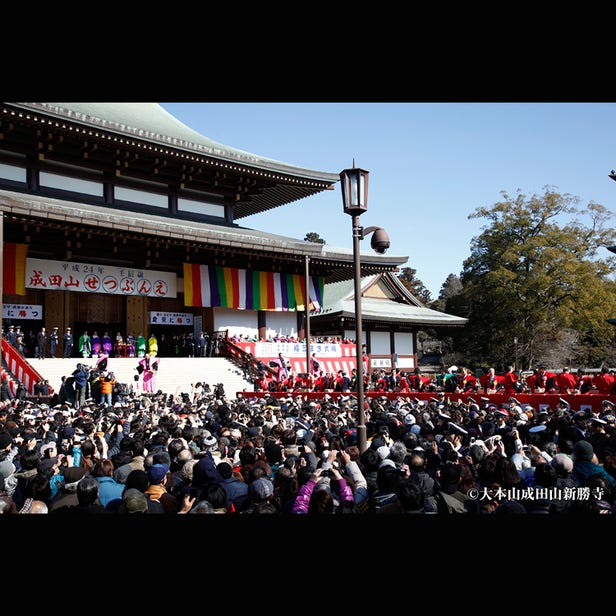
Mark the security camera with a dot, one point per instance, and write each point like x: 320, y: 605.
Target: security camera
x: 380, y: 241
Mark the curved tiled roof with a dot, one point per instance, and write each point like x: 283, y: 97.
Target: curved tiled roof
x: 151, y: 122
x: 339, y: 299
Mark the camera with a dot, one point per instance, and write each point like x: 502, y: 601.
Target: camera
x: 380, y: 241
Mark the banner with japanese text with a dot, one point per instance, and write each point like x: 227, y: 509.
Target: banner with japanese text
x: 170, y: 318
x: 22, y: 311
x: 90, y: 278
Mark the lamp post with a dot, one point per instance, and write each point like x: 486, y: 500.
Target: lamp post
x: 354, y: 184
x: 307, y: 317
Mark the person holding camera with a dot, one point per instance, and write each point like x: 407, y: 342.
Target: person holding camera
x: 316, y: 494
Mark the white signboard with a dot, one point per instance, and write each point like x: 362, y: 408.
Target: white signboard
x: 22, y: 311
x: 86, y: 278
x: 380, y: 362
x: 290, y: 349
x: 171, y: 318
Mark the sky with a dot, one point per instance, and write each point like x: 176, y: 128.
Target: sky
x: 431, y: 165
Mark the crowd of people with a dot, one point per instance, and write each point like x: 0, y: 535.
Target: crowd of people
x: 104, y: 447
x: 204, y: 452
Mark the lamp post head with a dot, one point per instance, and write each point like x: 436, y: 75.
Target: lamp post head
x: 354, y: 184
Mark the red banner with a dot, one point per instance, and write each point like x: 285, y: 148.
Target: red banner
x: 549, y: 402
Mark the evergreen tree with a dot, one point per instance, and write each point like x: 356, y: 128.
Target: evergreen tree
x: 314, y: 237
x: 414, y: 285
x: 538, y: 273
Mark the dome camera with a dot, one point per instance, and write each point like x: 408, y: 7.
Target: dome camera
x: 380, y: 241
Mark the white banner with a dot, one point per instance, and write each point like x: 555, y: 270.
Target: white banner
x: 290, y: 349
x: 85, y: 278
x: 21, y: 311
x: 171, y: 318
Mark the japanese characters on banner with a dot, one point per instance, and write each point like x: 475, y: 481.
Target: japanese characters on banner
x: 271, y: 349
x: 86, y: 278
x: 171, y: 318
x: 22, y: 311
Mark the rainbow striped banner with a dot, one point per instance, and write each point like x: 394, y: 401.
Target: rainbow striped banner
x: 214, y: 285
x: 14, y: 269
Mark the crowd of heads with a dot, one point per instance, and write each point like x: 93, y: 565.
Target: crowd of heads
x: 204, y: 452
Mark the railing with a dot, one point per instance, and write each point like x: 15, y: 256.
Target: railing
x: 251, y: 365
x: 19, y: 367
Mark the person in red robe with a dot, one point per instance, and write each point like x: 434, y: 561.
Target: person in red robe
x: 584, y: 382
x: 604, y: 381
x: 565, y: 381
x: 510, y: 380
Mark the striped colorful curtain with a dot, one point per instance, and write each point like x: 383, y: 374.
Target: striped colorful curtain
x: 214, y: 285
x: 14, y: 268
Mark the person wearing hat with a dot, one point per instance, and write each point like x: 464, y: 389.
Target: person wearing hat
x: 158, y: 474
x: 597, y: 436
x: 67, y: 494
x: 67, y: 340
x: 586, y: 463
x: 8, y: 481
x: 11, y: 335
x: 54, y: 338
x: 454, y: 435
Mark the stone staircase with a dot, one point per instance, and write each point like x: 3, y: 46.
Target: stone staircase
x: 175, y: 374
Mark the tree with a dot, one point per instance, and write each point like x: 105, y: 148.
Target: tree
x: 450, y: 288
x: 535, y: 274
x: 314, y: 237
x: 414, y: 285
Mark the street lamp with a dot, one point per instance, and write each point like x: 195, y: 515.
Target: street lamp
x: 354, y: 184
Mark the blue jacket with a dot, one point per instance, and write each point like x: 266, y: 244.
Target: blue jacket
x: 584, y: 468
x: 108, y: 489
x: 81, y: 377
x: 237, y: 492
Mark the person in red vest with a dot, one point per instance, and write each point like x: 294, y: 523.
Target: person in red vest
x: 510, y: 380
x: 565, y: 381
x: 403, y: 383
x: 584, y: 382
x: 319, y: 382
x: 467, y: 380
x: 418, y: 381
x: 542, y: 381
x: 491, y: 382
x: 605, y: 381
x: 342, y: 382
